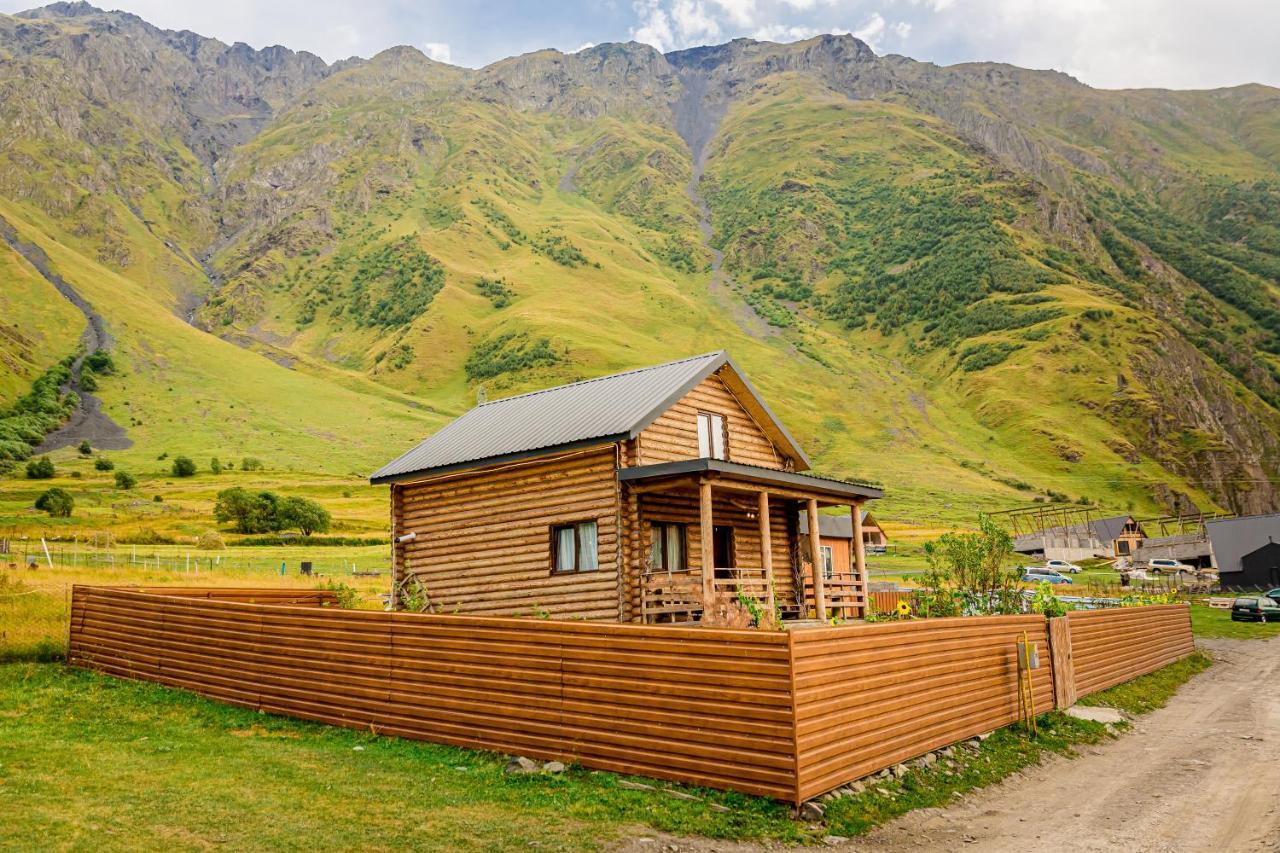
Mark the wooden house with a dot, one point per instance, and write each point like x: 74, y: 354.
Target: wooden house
x: 636, y: 497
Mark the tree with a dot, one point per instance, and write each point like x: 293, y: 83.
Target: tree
x: 57, y: 502
x: 183, y: 467
x: 304, y: 515
x: 125, y: 480
x: 215, y: 466
x: 251, y: 464
x: 102, y: 463
x: 86, y: 449
x: 247, y: 511
x: 968, y: 575
x: 40, y: 469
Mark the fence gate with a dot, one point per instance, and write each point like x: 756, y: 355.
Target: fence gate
x: 1064, y: 670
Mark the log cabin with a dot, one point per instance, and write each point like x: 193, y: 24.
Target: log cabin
x: 835, y: 542
x: 635, y: 497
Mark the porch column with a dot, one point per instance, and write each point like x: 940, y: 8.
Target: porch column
x: 766, y: 549
x: 706, y: 529
x: 815, y: 555
x: 859, y: 554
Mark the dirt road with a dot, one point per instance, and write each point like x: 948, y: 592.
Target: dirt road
x: 1200, y: 774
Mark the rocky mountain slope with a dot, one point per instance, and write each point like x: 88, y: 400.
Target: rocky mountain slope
x: 975, y: 280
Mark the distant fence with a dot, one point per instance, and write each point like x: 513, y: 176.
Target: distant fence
x: 784, y: 715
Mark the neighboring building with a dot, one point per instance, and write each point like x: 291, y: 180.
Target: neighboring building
x: 1246, y: 551
x: 835, y: 541
x: 1115, y: 536
x: 633, y: 497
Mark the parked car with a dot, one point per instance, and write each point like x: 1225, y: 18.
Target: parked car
x: 1037, y: 575
x: 1062, y: 567
x: 1255, y: 609
x: 1162, y: 566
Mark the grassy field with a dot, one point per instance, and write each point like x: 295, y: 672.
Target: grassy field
x: 1212, y: 622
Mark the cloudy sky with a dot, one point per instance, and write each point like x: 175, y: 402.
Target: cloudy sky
x: 1121, y: 43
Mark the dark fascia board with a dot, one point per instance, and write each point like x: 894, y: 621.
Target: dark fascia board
x: 722, y: 359
x: 838, y: 488
x: 428, y: 473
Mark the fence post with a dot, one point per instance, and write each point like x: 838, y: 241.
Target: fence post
x: 1064, y: 670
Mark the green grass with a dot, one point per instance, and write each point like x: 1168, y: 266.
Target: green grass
x: 78, y: 749
x: 1212, y: 622
x: 1151, y: 691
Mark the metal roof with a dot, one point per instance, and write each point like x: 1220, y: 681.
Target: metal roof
x: 754, y: 473
x: 1109, y: 529
x: 833, y: 526
x: 603, y: 410
x: 1234, y: 538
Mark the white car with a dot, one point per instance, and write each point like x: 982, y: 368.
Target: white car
x: 1062, y: 567
x: 1161, y: 566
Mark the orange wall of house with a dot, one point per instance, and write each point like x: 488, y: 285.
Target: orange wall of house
x: 674, y: 435
x: 841, y: 554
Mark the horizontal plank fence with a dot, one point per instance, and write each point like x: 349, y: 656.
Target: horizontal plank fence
x: 787, y: 715
x: 1109, y: 647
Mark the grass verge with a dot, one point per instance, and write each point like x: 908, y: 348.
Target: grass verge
x: 1153, y: 690
x: 1215, y: 623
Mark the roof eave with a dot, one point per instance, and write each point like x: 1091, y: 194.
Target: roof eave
x: 424, y: 473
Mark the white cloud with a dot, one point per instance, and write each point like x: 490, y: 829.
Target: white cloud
x: 902, y: 29
x: 438, y: 50
x: 655, y: 25
x: 784, y: 33
x: 742, y: 13
x: 871, y: 30
x: 586, y: 45
x: 693, y: 21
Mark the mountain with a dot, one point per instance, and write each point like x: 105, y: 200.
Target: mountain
x: 978, y: 284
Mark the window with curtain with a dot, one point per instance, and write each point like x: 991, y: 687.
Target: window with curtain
x: 667, y: 546
x: 711, y: 435
x: 575, y: 547
x: 828, y: 562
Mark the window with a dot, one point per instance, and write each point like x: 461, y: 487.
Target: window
x: 667, y: 546
x: 828, y: 562
x: 711, y: 435
x: 573, y: 547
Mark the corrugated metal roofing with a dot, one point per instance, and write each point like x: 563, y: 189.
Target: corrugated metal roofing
x: 1235, y: 538
x: 1107, y: 530
x: 606, y: 408
x: 835, y: 526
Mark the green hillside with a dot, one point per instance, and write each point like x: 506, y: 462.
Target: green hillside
x: 979, y: 285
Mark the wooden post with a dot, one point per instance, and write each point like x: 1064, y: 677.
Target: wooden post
x: 859, y: 555
x: 815, y: 553
x: 706, y: 530
x: 766, y: 549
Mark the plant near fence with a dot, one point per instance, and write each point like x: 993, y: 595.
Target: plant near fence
x: 967, y: 574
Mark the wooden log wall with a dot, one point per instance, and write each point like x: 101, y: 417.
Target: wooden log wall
x: 870, y: 696
x: 483, y: 541
x: 690, y: 705
x: 1112, y: 646
x: 674, y: 435
x: 787, y: 715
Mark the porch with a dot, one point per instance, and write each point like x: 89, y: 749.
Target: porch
x: 712, y: 530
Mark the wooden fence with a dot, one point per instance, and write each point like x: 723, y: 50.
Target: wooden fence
x: 784, y: 715
x: 1112, y: 646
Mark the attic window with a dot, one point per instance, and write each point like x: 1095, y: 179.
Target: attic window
x: 711, y: 435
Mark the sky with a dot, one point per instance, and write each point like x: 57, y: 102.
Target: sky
x: 1182, y: 44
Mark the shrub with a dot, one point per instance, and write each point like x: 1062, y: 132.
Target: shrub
x: 102, y: 463
x: 211, y: 540
x: 158, y: 499
x: 57, y: 502
x: 100, y: 362
x: 348, y: 598
x: 215, y: 466
x: 125, y: 480
x: 40, y: 469
x: 251, y: 464
x: 85, y: 448
x: 183, y: 467
x: 967, y: 574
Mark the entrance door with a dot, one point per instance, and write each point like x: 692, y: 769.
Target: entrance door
x: 722, y: 547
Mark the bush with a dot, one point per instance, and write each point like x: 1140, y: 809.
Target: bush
x: 183, y: 467
x: 215, y: 466
x: 102, y: 463
x: 125, y: 480
x: 57, y: 502
x: 158, y: 499
x: 251, y: 464
x: 40, y: 469
x: 100, y: 362
x: 967, y: 574
x: 85, y: 448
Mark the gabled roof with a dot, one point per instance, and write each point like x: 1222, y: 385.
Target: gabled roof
x: 1109, y: 529
x: 1235, y: 538
x: 833, y: 526
x: 594, y: 411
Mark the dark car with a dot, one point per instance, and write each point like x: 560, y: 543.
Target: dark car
x: 1255, y: 609
x: 1273, y: 594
